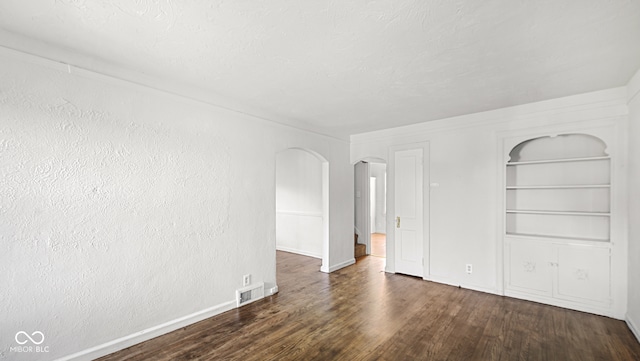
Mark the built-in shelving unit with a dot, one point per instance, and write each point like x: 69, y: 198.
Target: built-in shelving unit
x: 554, y: 193
x: 557, y: 220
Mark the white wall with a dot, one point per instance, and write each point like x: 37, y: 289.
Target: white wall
x: 299, y: 203
x: 378, y: 170
x: 124, y: 208
x: 633, y: 313
x: 465, y: 166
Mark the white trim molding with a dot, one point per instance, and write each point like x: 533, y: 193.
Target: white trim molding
x: 300, y: 213
x: 633, y: 88
x: 455, y: 283
x: 340, y: 265
x: 297, y: 251
x: 147, y: 334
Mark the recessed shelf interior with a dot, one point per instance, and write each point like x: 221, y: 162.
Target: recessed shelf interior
x: 559, y: 187
x: 559, y: 199
x: 562, y: 148
x: 559, y: 225
x: 560, y: 174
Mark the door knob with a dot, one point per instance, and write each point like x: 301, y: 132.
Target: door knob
x: 398, y: 222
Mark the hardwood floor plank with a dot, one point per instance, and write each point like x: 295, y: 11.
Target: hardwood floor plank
x: 362, y: 313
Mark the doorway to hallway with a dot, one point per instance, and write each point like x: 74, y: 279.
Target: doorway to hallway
x: 370, y: 218
x: 379, y: 244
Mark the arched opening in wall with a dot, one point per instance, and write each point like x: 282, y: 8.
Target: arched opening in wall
x: 302, y: 204
x: 370, y: 207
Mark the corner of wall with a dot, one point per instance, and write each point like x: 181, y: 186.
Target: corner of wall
x: 633, y: 304
x: 633, y: 88
x: 633, y: 327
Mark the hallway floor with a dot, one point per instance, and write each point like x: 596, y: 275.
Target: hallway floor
x: 379, y: 244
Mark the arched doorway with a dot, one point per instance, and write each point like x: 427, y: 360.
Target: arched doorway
x: 302, y: 204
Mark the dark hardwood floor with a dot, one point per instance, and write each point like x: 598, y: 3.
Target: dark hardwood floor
x: 362, y: 313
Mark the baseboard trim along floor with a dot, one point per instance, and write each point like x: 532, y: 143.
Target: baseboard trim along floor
x: 147, y: 334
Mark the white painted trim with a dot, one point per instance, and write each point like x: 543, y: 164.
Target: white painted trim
x: 633, y: 88
x: 141, y: 82
x: 366, y: 209
x: 271, y: 291
x: 297, y: 251
x: 633, y: 327
x: 340, y: 265
x: 501, y: 184
x: 326, y: 214
x: 300, y: 213
x: 449, y: 282
x: 149, y: 333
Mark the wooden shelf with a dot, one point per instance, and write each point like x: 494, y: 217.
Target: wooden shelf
x: 558, y: 160
x: 562, y: 213
x: 542, y: 236
x: 582, y: 186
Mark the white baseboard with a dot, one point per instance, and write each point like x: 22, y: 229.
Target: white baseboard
x: 602, y: 310
x: 633, y: 327
x: 462, y: 285
x: 340, y: 265
x: 297, y: 251
x: 271, y: 291
x: 147, y: 334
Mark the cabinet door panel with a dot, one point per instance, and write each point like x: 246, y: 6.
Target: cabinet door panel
x: 529, y: 267
x: 583, y: 273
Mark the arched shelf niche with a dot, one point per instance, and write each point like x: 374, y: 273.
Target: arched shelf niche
x: 559, y: 147
x: 559, y: 187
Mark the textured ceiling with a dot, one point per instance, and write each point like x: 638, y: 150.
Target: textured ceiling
x: 339, y: 66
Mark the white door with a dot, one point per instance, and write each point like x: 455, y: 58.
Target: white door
x: 409, y: 240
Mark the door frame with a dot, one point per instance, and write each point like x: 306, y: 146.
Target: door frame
x: 364, y: 235
x: 391, y: 206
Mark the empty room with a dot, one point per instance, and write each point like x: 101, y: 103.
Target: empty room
x: 319, y: 180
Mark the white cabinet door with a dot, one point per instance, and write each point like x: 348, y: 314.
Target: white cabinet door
x: 583, y: 274
x: 529, y: 267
